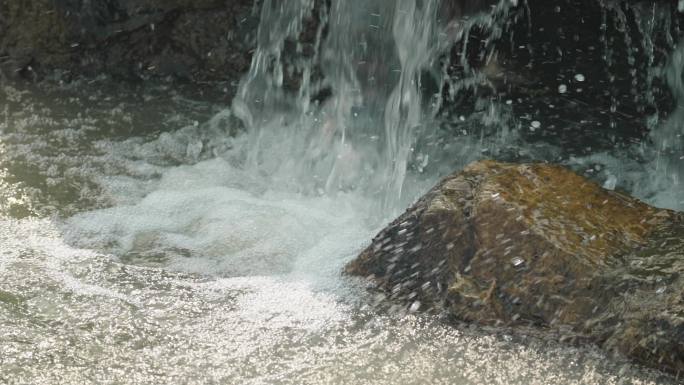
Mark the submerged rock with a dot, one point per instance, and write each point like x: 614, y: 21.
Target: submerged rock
x: 536, y: 245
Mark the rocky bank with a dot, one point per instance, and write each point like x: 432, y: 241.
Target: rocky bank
x: 196, y: 40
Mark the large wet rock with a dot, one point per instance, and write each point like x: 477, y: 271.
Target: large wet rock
x: 535, y: 245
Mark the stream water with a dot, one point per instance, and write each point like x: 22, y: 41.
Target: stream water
x: 156, y: 235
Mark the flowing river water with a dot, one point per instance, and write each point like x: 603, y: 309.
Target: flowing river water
x: 155, y: 235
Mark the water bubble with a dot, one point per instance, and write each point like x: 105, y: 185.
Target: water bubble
x: 517, y: 261
x: 562, y: 88
x: 579, y: 77
x: 415, y: 306
x: 535, y: 125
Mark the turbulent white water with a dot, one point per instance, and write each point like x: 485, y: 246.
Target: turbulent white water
x: 192, y: 255
x: 374, y: 62
x: 212, y: 218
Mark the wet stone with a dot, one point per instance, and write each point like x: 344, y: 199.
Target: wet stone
x: 184, y: 39
x: 599, y: 266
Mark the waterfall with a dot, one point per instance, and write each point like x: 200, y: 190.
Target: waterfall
x: 668, y: 137
x: 337, y: 90
x: 343, y: 95
x: 644, y: 27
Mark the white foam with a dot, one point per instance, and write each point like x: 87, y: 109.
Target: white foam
x: 198, y: 220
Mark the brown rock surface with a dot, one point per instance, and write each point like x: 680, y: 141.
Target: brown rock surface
x: 536, y: 245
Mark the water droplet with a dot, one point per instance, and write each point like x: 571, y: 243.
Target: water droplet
x: 610, y: 182
x: 517, y: 261
x: 396, y: 288
x: 415, y: 306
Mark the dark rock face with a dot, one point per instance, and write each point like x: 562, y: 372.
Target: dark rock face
x: 195, y: 40
x: 535, y: 245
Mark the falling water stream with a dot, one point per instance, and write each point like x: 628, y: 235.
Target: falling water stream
x: 148, y: 237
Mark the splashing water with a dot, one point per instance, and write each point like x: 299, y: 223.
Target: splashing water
x: 345, y: 96
x: 668, y: 138
x: 378, y: 67
x: 212, y: 257
x: 652, y: 169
